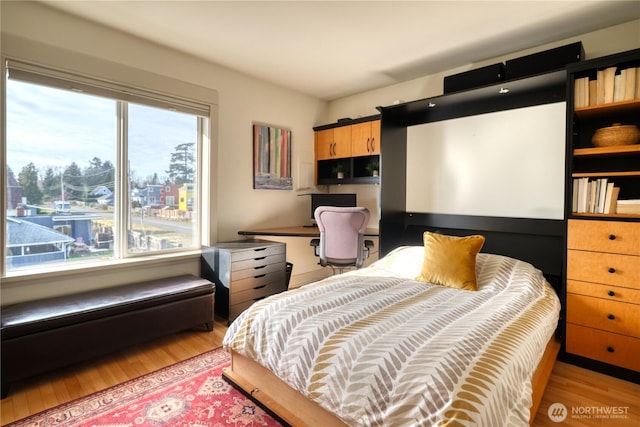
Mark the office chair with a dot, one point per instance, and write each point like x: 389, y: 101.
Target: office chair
x: 341, y: 244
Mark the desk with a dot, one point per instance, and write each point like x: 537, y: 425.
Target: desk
x: 297, y: 231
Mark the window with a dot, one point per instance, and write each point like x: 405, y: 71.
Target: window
x: 92, y: 170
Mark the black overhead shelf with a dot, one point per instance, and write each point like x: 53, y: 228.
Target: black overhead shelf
x: 534, y: 90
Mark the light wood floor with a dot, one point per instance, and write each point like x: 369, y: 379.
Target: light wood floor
x: 572, y: 386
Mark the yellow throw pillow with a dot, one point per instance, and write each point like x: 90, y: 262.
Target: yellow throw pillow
x: 450, y: 261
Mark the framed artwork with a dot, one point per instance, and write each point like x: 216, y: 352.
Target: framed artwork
x: 271, y: 157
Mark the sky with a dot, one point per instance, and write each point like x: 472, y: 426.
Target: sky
x: 54, y: 127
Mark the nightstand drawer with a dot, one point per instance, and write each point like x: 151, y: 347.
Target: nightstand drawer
x: 604, y: 236
x: 606, y: 347
x: 612, y: 269
x: 607, y: 292
x: 257, y: 293
x: 613, y: 316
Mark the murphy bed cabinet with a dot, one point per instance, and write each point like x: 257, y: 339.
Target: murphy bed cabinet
x: 603, y: 245
x: 244, y: 272
x: 348, y: 146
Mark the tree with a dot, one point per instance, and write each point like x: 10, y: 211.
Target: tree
x: 74, y: 188
x: 51, y: 184
x: 182, y: 164
x: 28, y: 179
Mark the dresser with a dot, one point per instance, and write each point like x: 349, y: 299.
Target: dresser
x: 603, y: 291
x: 244, y: 272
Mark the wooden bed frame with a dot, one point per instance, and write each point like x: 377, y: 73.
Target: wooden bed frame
x: 539, y: 242
x: 291, y: 407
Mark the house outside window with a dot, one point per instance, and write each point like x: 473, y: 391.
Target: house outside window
x: 105, y: 152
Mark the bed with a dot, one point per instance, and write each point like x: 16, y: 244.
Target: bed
x: 388, y: 346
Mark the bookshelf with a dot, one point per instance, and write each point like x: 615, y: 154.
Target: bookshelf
x: 602, y: 299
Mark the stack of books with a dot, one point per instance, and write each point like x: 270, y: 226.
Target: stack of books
x: 611, y: 85
x: 595, y: 196
x: 631, y: 206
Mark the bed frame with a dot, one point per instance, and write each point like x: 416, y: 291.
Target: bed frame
x: 539, y: 242
x: 291, y: 407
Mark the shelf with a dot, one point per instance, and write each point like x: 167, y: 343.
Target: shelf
x: 594, y: 111
x: 607, y: 151
x: 605, y: 174
x: 599, y: 216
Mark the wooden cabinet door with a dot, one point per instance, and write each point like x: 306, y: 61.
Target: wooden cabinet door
x: 324, y: 144
x: 365, y: 138
x: 342, y: 138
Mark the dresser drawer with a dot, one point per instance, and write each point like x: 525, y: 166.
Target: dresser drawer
x: 604, y: 236
x: 252, y: 295
x: 277, y: 274
x: 613, y: 316
x: 606, y: 347
x: 257, y: 263
x: 612, y: 269
x: 607, y: 292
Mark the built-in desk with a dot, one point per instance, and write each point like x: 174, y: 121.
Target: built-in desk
x: 297, y: 231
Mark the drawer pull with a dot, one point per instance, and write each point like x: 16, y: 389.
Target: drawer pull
x: 258, y: 259
x: 259, y: 267
x: 612, y: 237
x: 611, y: 349
x: 259, y: 287
x: 259, y: 249
x: 611, y: 293
x: 611, y: 317
x: 259, y: 276
x: 612, y: 270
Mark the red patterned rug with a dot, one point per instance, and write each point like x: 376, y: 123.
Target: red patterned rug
x: 190, y: 393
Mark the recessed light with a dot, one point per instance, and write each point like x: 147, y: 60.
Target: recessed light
x: 504, y: 90
x: 432, y: 105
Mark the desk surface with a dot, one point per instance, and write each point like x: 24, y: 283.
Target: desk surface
x: 296, y: 231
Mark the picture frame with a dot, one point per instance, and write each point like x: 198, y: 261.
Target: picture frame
x: 271, y: 157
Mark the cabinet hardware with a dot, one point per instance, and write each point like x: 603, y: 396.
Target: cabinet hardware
x: 611, y: 270
x: 611, y: 317
x: 611, y: 293
x: 611, y: 349
x: 612, y: 237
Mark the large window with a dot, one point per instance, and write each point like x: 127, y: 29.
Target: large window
x: 96, y: 172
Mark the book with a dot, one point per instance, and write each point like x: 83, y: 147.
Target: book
x: 602, y: 194
x: 593, y: 92
x: 613, y: 201
x: 618, y: 87
x: 607, y: 202
x: 630, y: 83
x: 631, y: 206
x: 609, y: 75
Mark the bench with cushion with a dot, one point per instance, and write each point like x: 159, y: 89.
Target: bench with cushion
x: 39, y: 336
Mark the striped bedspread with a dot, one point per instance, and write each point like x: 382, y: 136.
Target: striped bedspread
x: 377, y: 348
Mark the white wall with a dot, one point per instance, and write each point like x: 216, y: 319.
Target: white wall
x: 610, y: 40
x: 29, y: 27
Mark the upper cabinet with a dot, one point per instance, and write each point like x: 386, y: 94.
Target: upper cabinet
x: 348, y: 152
x: 365, y: 138
x: 604, y: 115
x: 333, y: 143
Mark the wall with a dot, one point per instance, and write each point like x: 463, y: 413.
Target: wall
x: 242, y: 100
x: 610, y: 40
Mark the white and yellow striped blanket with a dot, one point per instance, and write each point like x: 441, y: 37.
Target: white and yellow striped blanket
x: 377, y: 348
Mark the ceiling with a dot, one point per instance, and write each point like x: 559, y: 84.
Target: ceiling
x: 331, y: 49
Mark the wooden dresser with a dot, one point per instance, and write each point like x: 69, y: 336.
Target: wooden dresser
x: 603, y: 291
x: 244, y: 272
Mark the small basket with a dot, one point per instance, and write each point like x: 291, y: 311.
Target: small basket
x: 616, y: 134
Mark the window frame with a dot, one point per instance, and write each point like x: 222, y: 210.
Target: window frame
x: 184, y: 97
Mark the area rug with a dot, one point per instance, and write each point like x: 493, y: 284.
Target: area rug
x: 190, y: 393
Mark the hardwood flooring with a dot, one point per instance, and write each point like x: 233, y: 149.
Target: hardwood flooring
x: 576, y: 388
